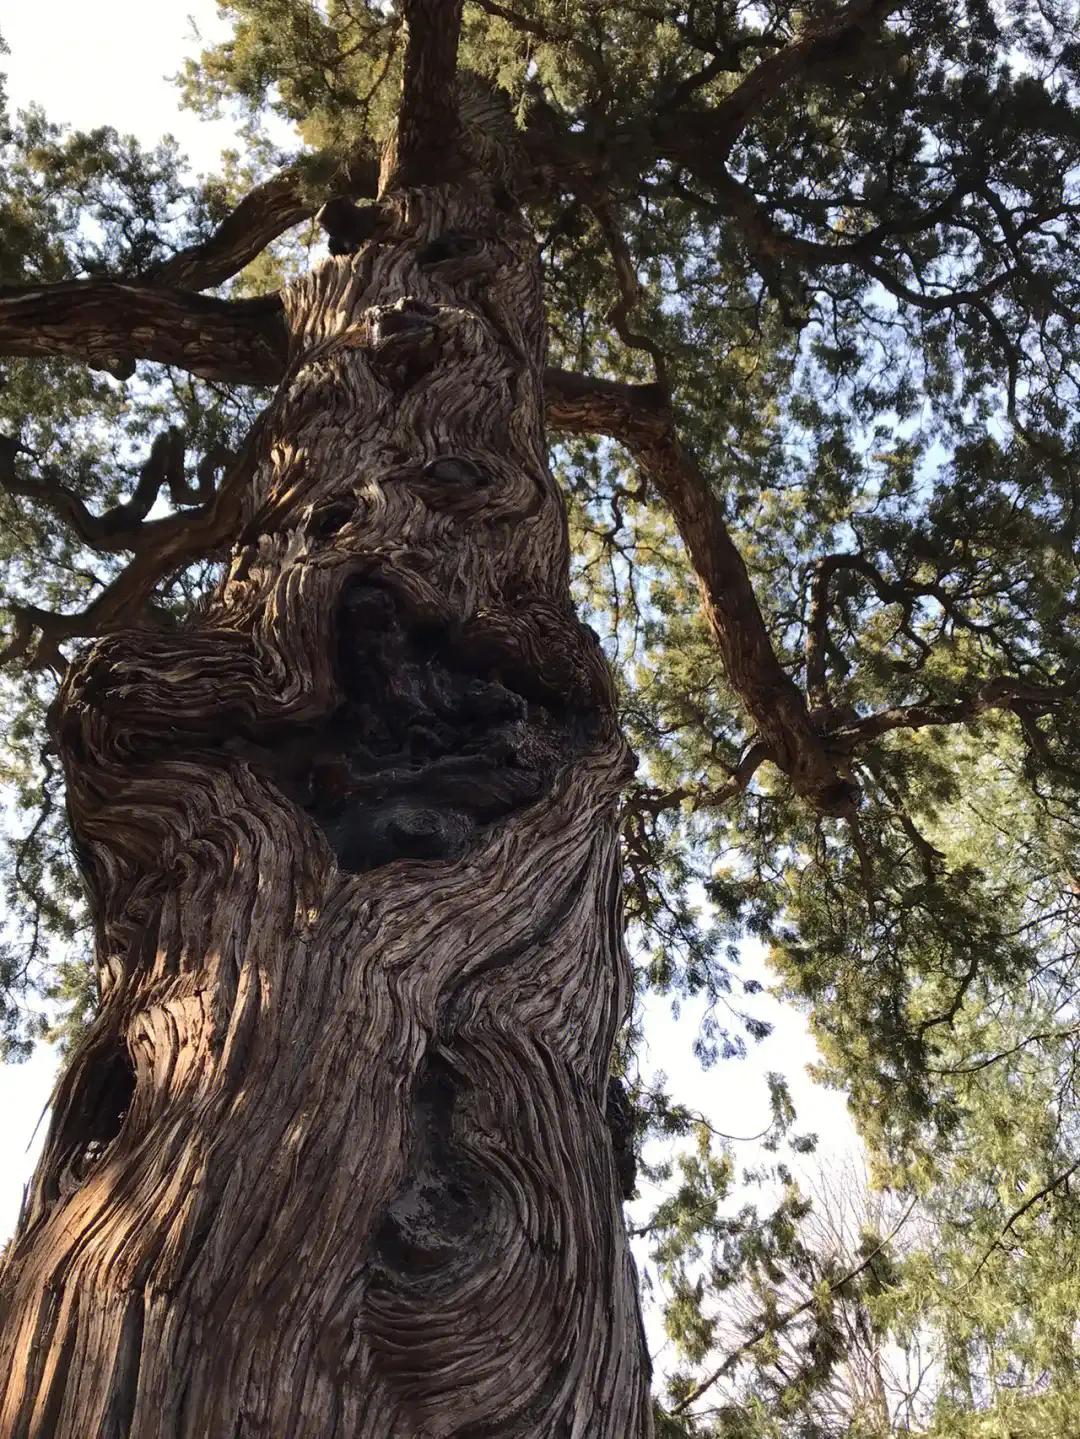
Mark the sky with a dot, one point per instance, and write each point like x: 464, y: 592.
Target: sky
x: 112, y: 68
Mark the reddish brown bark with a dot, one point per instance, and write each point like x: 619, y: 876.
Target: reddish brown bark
x: 333, y: 1159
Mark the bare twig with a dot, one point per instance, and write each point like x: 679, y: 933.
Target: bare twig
x: 784, y: 1319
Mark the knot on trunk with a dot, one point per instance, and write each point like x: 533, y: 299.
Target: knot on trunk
x: 404, y: 340
x: 434, y: 1227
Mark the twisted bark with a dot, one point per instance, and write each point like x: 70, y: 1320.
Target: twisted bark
x: 110, y: 323
x: 334, y: 1157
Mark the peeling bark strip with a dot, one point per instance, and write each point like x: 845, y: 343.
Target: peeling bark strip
x: 335, y: 1160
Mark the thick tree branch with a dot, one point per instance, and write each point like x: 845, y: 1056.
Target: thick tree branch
x: 581, y: 405
x: 638, y: 418
x: 266, y: 212
x: 522, y: 23
x: 428, y: 146
x: 110, y: 324
x: 820, y: 45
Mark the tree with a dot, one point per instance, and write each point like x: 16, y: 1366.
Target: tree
x: 339, y: 1148
x: 258, y: 803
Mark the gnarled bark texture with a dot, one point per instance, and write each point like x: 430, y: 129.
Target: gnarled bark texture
x: 334, y: 1159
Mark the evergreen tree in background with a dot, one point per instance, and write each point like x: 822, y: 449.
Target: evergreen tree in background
x: 324, y: 679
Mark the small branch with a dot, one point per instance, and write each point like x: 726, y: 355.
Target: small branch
x: 1017, y: 1214
x: 817, y: 689
x: 109, y: 324
x: 121, y: 527
x: 817, y: 634
x: 930, y: 859
x: 265, y: 212
x: 770, y: 243
x: 164, y: 546
x: 657, y: 802
x: 947, y: 1016
x: 980, y: 1064
x: 866, y: 865
x: 1001, y: 693
x: 601, y: 204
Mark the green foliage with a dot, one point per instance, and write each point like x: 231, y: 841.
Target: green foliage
x: 866, y: 309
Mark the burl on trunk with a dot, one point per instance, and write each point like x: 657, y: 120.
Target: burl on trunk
x: 334, y: 1159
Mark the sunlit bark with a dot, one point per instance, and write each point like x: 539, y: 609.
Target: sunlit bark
x: 334, y: 1158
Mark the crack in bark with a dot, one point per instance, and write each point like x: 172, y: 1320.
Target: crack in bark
x: 91, y: 1117
x: 620, y: 1121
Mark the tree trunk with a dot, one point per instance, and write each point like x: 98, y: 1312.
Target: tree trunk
x: 333, y: 1159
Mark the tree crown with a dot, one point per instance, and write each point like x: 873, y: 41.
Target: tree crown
x: 813, y: 301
